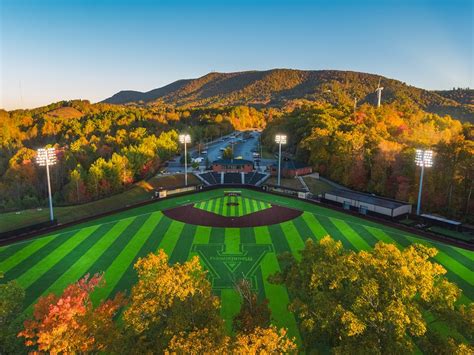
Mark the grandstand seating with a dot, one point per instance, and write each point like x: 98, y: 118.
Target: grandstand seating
x: 217, y: 177
x: 210, y: 178
x: 256, y: 177
x: 249, y: 177
x: 232, y: 178
x: 213, y: 178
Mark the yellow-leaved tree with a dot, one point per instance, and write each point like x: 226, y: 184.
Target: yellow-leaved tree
x: 199, y: 341
x: 378, y: 301
x: 264, y: 341
x: 169, y: 300
x: 172, y: 309
x: 268, y: 340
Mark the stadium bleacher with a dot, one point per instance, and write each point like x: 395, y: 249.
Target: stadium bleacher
x: 253, y: 178
x: 232, y: 178
x: 249, y: 177
x: 217, y: 177
x: 213, y: 178
x: 209, y: 177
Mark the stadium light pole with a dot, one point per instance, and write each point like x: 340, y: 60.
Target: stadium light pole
x: 47, y: 157
x: 185, y: 138
x: 423, y: 158
x: 280, y: 139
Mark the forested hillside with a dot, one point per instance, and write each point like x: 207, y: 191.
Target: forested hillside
x: 104, y: 148
x: 101, y: 148
x: 462, y: 96
x: 373, y: 150
x: 288, y: 88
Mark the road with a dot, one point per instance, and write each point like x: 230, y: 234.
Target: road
x: 242, y: 148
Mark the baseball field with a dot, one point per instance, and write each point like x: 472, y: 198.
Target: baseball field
x: 236, y: 235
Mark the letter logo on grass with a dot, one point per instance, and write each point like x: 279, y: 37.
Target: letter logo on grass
x: 227, y: 268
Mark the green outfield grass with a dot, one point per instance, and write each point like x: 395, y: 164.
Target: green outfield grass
x: 139, y: 192
x: 241, y: 206
x: 114, y: 243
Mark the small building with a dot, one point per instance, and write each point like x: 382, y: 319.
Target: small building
x: 232, y: 166
x: 368, y: 204
x: 441, y: 221
x: 290, y: 169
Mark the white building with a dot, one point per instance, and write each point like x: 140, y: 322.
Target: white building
x: 368, y: 204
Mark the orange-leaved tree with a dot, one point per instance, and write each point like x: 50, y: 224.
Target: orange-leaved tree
x: 70, y: 322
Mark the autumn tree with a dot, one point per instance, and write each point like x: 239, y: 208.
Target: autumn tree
x: 253, y: 312
x: 228, y: 153
x: 268, y: 340
x: 70, y: 323
x: 76, y: 188
x: 11, y: 303
x: 264, y: 341
x: 171, y: 300
x: 372, y: 150
x: 377, y: 301
x: 114, y: 146
x: 199, y: 341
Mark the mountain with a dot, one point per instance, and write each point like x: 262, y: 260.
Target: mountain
x: 281, y: 87
x: 462, y: 96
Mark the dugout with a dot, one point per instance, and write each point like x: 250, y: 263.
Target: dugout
x: 285, y: 190
x: 367, y: 203
x: 441, y: 222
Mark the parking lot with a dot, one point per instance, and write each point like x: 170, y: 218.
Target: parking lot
x: 243, y: 148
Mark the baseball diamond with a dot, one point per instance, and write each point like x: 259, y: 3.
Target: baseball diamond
x: 232, y: 206
x: 219, y: 232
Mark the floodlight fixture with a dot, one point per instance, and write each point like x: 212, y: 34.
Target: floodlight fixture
x: 424, y: 159
x: 185, y: 139
x: 280, y: 138
x: 47, y: 157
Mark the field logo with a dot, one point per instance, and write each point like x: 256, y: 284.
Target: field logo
x: 227, y: 268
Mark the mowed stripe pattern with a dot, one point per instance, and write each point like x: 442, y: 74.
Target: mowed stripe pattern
x: 242, y: 207
x: 50, y: 263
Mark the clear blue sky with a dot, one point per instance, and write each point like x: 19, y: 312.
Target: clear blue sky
x: 54, y: 50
